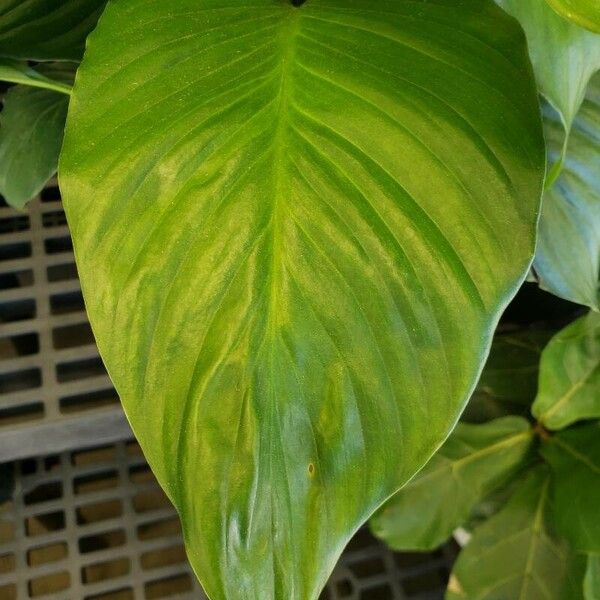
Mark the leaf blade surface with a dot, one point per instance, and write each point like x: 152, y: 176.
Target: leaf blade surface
x: 569, y: 388
x: 46, y: 29
x: 474, y: 461
x: 585, y: 13
x: 516, y: 554
x: 564, y: 57
x: 568, y: 256
x: 255, y: 208
x: 574, y: 456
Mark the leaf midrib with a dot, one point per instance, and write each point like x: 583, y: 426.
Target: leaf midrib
x: 570, y: 393
x: 534, y: 541
x: 288, y: 35
x: 453, y: 465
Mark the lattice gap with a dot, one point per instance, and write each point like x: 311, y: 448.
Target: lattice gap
x: 49, y: 364
x: 51, y: 375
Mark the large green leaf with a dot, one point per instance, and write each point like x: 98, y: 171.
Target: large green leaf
x: 568, y: 256
x: 569, y: 388
x: 32, y: 124
x: 515, y: 556
x: 509, y: 380
x: 564, y: 58
x: 46, y: 29
x: 574, y: 455
x: 591, y: 584
x: 583, y: 12
x: 294, y: 252
x: 474, y: 461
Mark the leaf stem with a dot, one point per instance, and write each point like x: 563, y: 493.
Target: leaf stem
x: 21, y: 73
x: 540, y: 430
x: 43, y: 83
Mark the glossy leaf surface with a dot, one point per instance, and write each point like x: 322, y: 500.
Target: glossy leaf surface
x: 516, y: 555
x: 32, y: 125
x: 46, y: 29
x: 574, y: 455
x: 591, y: 585
x: 508, y: 384
x: 569, y: 388
x: 294, y: 252
x: 568, y: 255
x: 583, y: 12
x: 474, y: 461
x: 564, y: 58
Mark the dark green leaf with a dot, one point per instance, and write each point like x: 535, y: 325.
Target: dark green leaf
x: 294, y: 252
x: 583, y: 12
x: 591, y: 584
x: 574, y: 455
x: 487, y: 508
x: 569, y: 388
x: 515, y: 556
x: 564, y: 58
x: 474, y: 461
x: 508, y: 383
x: 32, y: 125
x: 568, y: 255
x: 46, y: 29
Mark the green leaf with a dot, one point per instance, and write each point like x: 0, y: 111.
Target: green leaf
x: 487, y: 508
x: 574, y: 455
x: 474, y: 461
x: 13, y: 71
x: 569, y: 388
x: 32, y: 125
x: 583, y: 12
x: 31, y: 131
x: 515, y: 554
x: 591, y: 583
x: 508, y: 383
x: 46, y: 29
x: 294, y: 252
x: 568, y: 256
x: 564, y: 58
